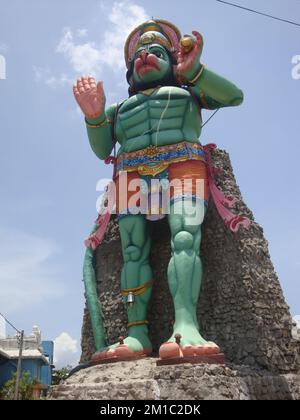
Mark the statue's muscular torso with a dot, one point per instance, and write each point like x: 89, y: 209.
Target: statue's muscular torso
x: 168, y: 116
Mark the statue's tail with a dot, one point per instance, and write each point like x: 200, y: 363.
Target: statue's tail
x: 93, y: 303
x: 89, y: 276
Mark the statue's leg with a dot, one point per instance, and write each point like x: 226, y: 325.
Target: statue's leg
x: 185, y: 275
x: 136, y: 279
x: 136, y: 273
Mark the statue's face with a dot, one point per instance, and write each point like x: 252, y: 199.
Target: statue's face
x: 151, y: 64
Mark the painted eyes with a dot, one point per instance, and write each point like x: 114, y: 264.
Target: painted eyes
x: 158, y: 54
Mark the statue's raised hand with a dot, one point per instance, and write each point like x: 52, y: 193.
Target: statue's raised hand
x: 188, y: 57
x: 90, y: 96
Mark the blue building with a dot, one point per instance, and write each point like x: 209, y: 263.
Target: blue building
x: 37, y: 358
x: 46, y: 370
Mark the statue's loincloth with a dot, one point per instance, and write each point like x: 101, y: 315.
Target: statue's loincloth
x: 155, y: 159
x: 182, y: 162
x: 150, y: 180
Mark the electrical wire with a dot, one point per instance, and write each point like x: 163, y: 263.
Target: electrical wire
x: 259, y: 13
x: 207, y: 121
x: 9, y: 323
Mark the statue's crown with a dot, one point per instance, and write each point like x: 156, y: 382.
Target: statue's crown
x: 156, y: 31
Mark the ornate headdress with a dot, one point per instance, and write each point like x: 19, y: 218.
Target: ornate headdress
x: 156, y: 31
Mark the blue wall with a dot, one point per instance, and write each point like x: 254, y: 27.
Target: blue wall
x: 33, y: 366
x: 46, y: 371
x: 7, y: 368
x: 36, y: 367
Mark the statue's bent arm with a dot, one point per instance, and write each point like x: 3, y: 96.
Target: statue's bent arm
x: 214, y: 91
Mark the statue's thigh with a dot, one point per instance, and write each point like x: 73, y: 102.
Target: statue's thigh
x: 133, y: 230
x: 187, y: 215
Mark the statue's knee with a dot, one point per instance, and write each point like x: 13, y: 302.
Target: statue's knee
x: 183, y: 240
x: 132, y: 253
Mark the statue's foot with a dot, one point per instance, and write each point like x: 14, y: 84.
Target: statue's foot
x: 131, y: 348
x: 186, y: 341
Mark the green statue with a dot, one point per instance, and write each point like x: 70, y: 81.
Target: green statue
x: 158, y: 128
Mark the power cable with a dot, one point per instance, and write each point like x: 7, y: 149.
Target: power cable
x: 9, y: 323
x: 207, y: 121
x: 259, y: 13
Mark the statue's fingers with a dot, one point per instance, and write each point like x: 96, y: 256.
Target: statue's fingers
x: 78, y: 83
x: 199, y: 37
x: 81, y: 89
x: 103, y: 100
x: 86, y: 85
x: 100, y: 90
x: 92, y: 82
x: 80, y: 86
x: 180, y: 57
x: 76, y: 92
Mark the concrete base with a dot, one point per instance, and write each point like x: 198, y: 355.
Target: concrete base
x: 144, y: 380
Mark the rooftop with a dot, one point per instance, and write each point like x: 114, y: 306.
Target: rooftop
x: 32, y: 347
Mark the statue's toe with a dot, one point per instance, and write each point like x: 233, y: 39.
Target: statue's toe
x: 169, y: 350
x: 101, y: 356
x: 206, y: 349
x: 188, y: 351
x: 120, y: 353
x: 125, y: 352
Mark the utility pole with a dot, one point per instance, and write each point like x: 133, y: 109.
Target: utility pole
x: 19, y: 366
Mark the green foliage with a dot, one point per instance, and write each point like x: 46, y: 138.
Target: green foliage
x: 26, y: 385
x: 59, y: 375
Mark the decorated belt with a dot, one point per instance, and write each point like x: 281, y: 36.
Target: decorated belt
x: 155, y: 159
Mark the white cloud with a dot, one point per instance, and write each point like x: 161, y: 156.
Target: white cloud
x: 297, y: 320
x: 81, y: 33
x: 27, y: 274
x: 62, y: 80
x: 91, y: 56
x: 84, y: 58
x: 124, y: 17
x: 43, y: 74
x: 65, y: 351
x: 296, y: 328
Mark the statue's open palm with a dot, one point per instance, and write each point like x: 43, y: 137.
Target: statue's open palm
x: 90, y: 96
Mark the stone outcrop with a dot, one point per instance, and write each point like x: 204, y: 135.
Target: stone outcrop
x: 241, y: 307
x: 143, y: 380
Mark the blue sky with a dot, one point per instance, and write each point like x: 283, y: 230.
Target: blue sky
x: 48, y: 173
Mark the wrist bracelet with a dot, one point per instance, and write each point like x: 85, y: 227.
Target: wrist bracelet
x: 198, y: 75
x: 100, y: 124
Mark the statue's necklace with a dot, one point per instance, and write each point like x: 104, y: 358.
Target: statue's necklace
x: 149, y: 92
